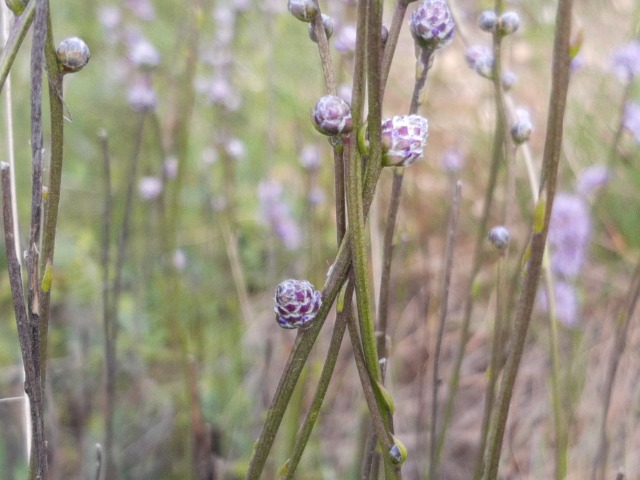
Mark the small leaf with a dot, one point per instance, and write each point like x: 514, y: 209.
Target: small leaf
x: 47, y: 278
x: 539, y: 213
x: 284, y: 469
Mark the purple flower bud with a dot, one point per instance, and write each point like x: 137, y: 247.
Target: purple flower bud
x: 508, y: 79
x: 522, y: 127
x: 403, y: 139
x: 480, y: 59
x: 631, y: 120
x: 346, y: 39
x: 626, y: 61
x: 432, y: 25
x: 569, y: 234
x: 487, y: 21
x: 327, y: 22
x: 150, y: 188
x: 508, y: 23
x: 332, y: 116
x: 73, y: 54
x: 499, y: 237
x: 303, y: 10
x: 296, y: 303
x: 592, y: 179
x: 142, y: 97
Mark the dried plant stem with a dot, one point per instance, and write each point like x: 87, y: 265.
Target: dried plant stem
x: 452, y: 229
x: 551, y: 158
x: 623, y: 320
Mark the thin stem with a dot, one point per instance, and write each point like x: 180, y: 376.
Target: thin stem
x: 18, y: 32
x: 452, y: 229
x: 551, y: 158
x: 623, y: 320
x: 392, y: 41
x: 325, y: 55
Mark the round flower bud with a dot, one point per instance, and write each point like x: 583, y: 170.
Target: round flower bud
x: 296, y: 303
x: 432, y: 25
x: 332, y: 116
x: 508, y: 79
x: 73, y: 54
x: 499, y: 237
x: 480, y: 58
x: 403, y: 140
x: 487, y: 21
x: 522, y: 128
x: 303, y: 10
x: 327, y: 21
x: 508, y: 23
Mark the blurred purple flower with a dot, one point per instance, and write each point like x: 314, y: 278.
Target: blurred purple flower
x: 170, y: 167
x: 310, y: 158
x: 569, y: 234
x: 480, y: 59
x: 592, y: 179
x: 566, y: 302
x: 143, y: 54
x: 277, y: 214
x: 149, y: 188
x: 316, y: 196
x: 344, y: 92
x: 143, y: 9
x: 179, y: 259
x: 209, y: 156
x: 452, y: 160
x: 142, y: 97
x: 346, y: 39
x: 109, y: 16
x: 236, y: 148
x: 631, y: 120
x: 626, y: 61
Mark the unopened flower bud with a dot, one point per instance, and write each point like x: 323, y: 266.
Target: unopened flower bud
x: 403, y: 139
x: 487, y: 21
x: 499, y: 237
x: 303, y: 10
x: 522, y: 128
x: 508, y: 79
x: 332, y: 116
x: 480, y: 59
x: 432, y: 25
x: 16, y: 6
x: 327, y: 22
x: 73, y: 54
x: 508, y: 23
x: 296, y: 303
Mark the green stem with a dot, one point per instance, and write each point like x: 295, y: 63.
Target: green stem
x: 551, y: 159
x: 19, y: 30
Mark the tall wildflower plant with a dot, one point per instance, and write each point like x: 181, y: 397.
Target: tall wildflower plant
x: 32, y: 299
x: 363, y: 144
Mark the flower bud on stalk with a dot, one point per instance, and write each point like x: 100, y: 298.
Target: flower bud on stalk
x: 432, y: 25
x: 499, y: 237
x: 327, y: 22
x: 332, y: 116
x: 303, y: 10
x: 508, y: 23
x: 403, y: 140
x: 522, y: 128
x: 296, y: 303
x: 73, y: 54
x: 487, y: 21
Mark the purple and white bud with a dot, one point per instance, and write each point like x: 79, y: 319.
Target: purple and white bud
x: 403, y: 140
x: 296, y: 303
x: 327, y: 22
x: 488, y: 21
x: 508, y: 80
x: 303, y: 10
x: 499, y: 237
x: 522, y: 127
x: 508, y: 23
x: 332, y: 116
x: 480, y: 59
x: 432, y: 25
